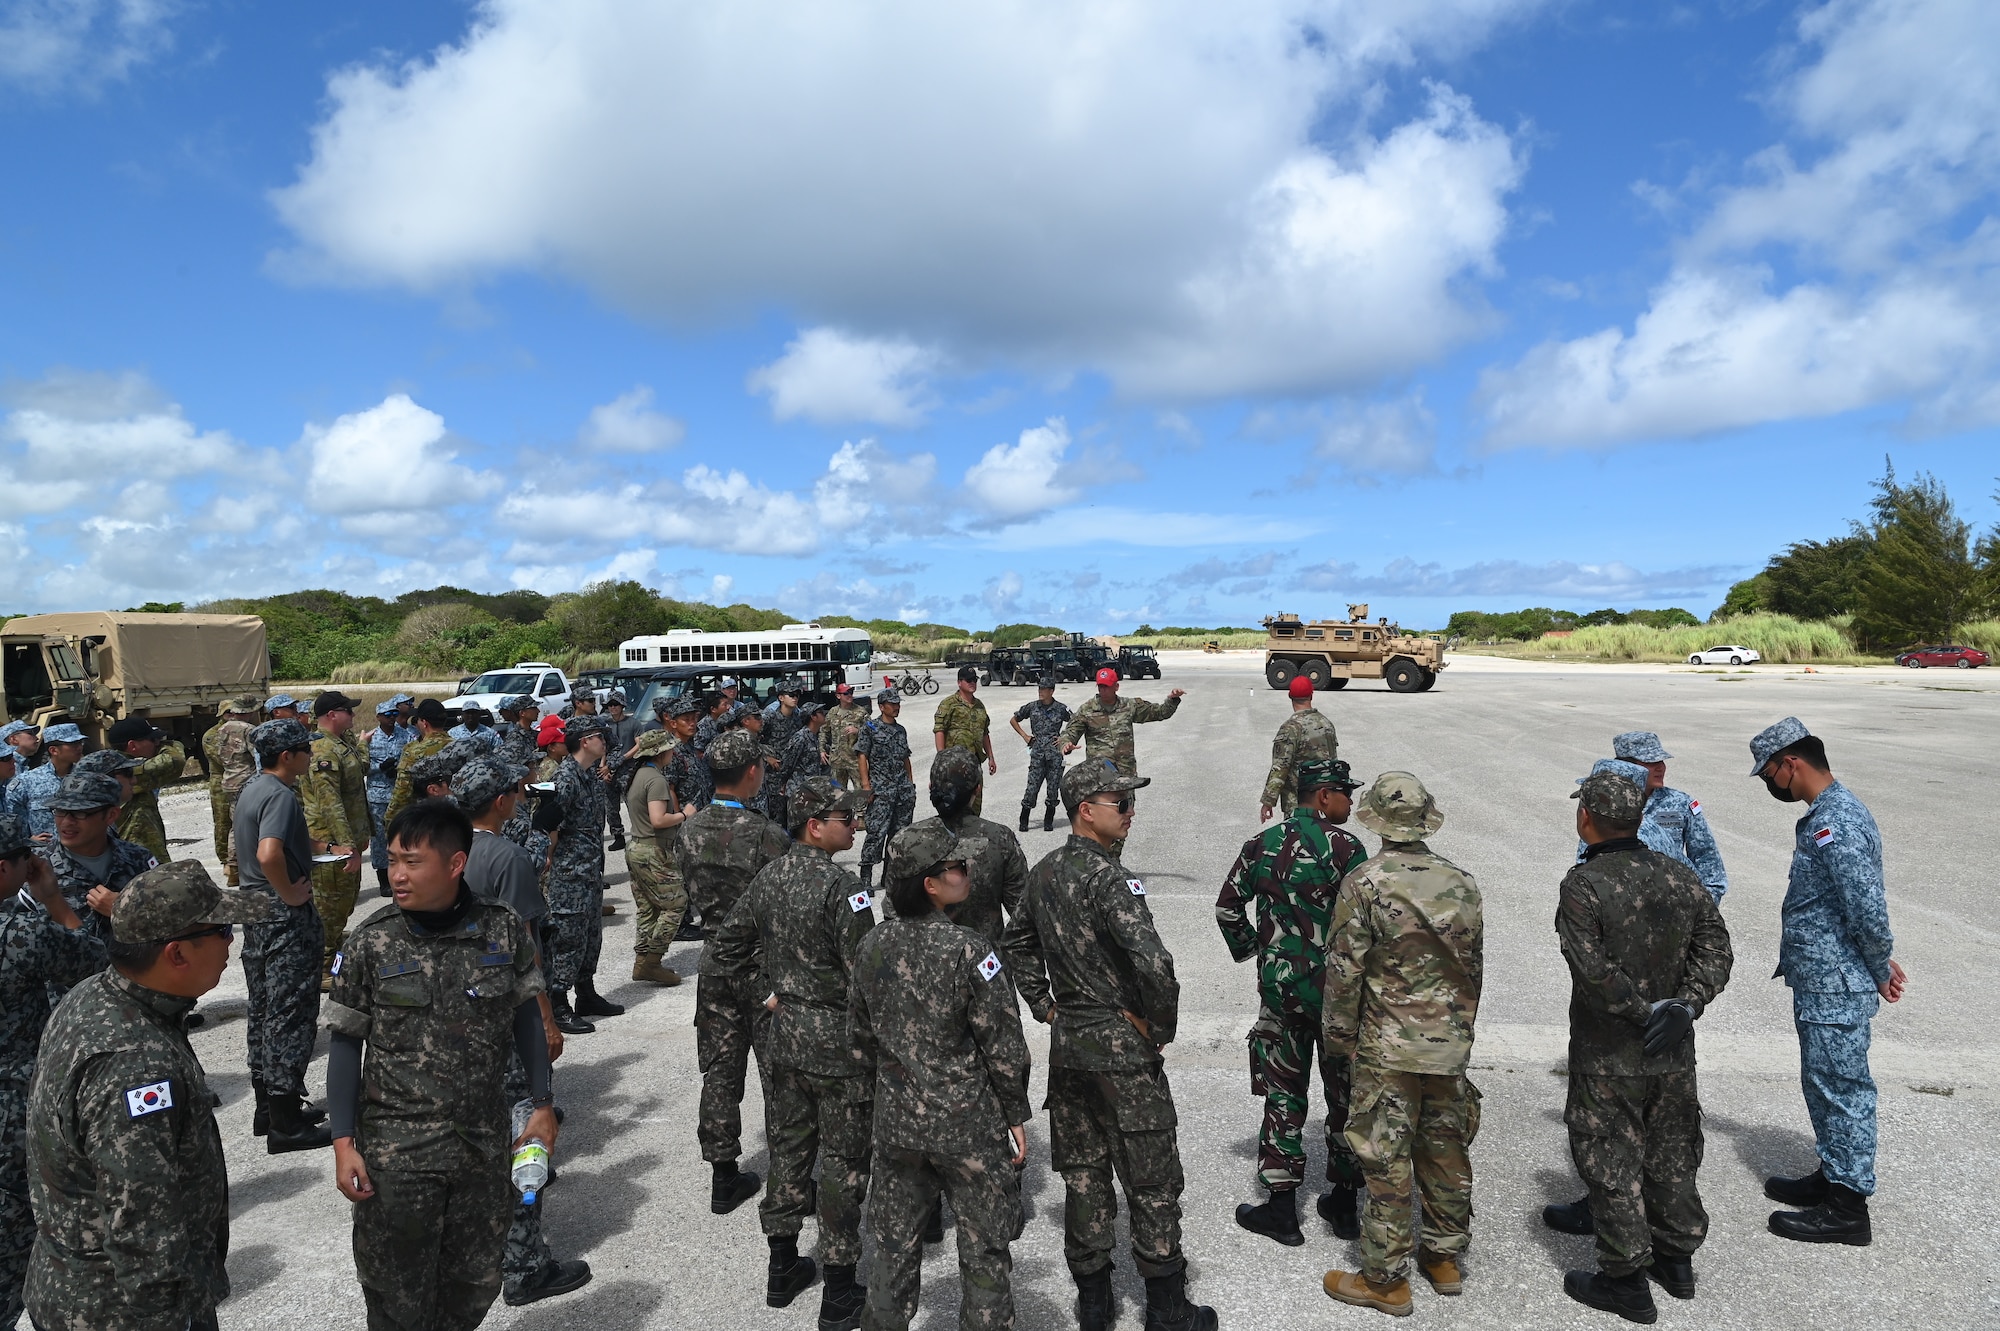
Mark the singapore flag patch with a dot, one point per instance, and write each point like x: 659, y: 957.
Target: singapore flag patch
x: 143, y: 1100
x: 1823, y: 837
x: 1694, y: 806
x: 989, y: 967
x: 858, y: 902
x: 1138, y: 887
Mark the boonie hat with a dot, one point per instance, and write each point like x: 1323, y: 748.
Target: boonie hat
x: 1079, y: 783
x: 1768, y: 741
x: 1108, y: 675
x: 1319, y: 773
x: 131, y: 728
x: 1639, y: 746
x: 654, y: 743
x: 1611, y: 796
x: 1398, y: 808
x: 108, y: 762
x: 81, y: 792
x: 482, y: 781
x: 178, y: 899
x: 616, y: 699
x: 244, y: 706
x: 732, y: 749
x: 1300, y: 687
x: 13, y: 728
x: 280, y: 736
x: 64, y: 733
x: 817, y: 796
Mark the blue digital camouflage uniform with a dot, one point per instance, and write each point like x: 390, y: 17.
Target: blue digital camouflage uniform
x: 1045, y: 755
x: 383, y: 753
x: 1673, y: 825
x: 28, y: 797
x: 1833, y: 952
x: 485, y: 739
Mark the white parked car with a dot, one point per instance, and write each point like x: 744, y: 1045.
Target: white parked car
x: 1725, y: 656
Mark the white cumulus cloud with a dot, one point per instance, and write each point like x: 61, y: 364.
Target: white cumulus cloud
x: 392, y: 458
x: 833, y: 378
x: 69, y: 430
x: 628, y: 424
x: 1022, y: 479
x: 61, y: 45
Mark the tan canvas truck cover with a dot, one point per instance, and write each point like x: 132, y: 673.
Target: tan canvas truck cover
x: 163, y: 659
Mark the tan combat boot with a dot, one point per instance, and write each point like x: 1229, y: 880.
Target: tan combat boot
x: 1443, y: 1272
x: 1357, y: 1289
x: 650, y: 971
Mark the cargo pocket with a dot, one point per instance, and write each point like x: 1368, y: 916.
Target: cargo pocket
x: 1143, y: 1105
x: 401, y: 1003
x: 1472, y: 1099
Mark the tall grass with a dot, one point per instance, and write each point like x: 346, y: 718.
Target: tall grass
x: 1984, y: 635
x: 404, y: 672
x: 1167, y: 642
x: 1777, y: 638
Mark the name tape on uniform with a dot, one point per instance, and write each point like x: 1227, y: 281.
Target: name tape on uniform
x: 859, y: 901
x: 143, y: 1100
x: 989, y: 967
x: 1138, y: 886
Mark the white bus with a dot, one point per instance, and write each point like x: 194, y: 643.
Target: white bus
x: 793, y: 642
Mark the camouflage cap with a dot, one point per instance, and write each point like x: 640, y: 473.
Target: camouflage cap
x: 582, y: 727
x: 1632, y: 772
x: 8, y: 756
x: 809, y: 710
x: 64, y: 733
x: 444, y: 765
x: 1319, y: 773
x: 107, y: 762
x: 887, y: 697
x: 280, y: 736
x: 1047, y: 681
x: 654, y: 743
x: 687, y: 704
x: 921, y: 847
x: 954, y: 776
x: 244, y: 706
x: 400, y: 698
x: 1398, y: 808
x: 816, y: 797
x: 177, y: 899
x: 518, y: 702
x: 481, y: 781
x: 1085, y: 779
x: 792, y: 686
x: 731, y: 750
x: 387, y: 707
x: 14, y: 835
x: 1639, y: 746
x: 277, y: 700
x: 13, y: 728
x: 1612, y: 797
x: 1772, y: 738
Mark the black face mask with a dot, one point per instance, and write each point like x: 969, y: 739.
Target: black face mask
x: 1780, y: 793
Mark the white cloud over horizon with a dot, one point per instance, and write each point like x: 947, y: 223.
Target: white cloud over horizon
x: 56, y: 46
x: 832, y: 378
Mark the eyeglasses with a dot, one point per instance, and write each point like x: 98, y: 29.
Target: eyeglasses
x: 78, y: 815
x: 213, y: 931
x: 944, y: 867
x: 841, y: 817
x: 1123, y: 803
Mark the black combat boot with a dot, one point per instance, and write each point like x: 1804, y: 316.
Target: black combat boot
x: 590, y: 1003
x: 567, y: 1020
x: 731, y: 1187
x: 1277, y: 1218
x: 1841, y: 1218
x: 1570, y: 1217
x: 1026, y: 810
x: 868, y: 876
x: 289, y: 1129
x: 1673, y: 1274
x: 382, y: 883
x: 617, y: 841
x: 1094, y: 1304
x: 1807, y: 1191
x: 553, y: 1279
x: 789, y: 1272
x: 840, y: 1300
x: 934, y: 1222
x: 1049, y: 819
x: 1627, y: 1295
x: 690, y: 930
x: 1337, y: 1208
x: 1168, y: 1309
x: 260, y: 1121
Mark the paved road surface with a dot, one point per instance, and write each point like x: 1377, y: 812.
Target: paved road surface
x: 1499, y: 742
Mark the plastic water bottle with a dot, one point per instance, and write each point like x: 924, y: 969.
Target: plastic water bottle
x: 531, y: 1168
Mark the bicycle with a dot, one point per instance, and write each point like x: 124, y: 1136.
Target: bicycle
x: 913, y: 682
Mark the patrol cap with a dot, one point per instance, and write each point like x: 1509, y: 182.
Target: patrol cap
x: 1767, y: 743
x: 582, y: 727
x: 1108, y: 676
x: 809, y: 710
x: 333, y: 700
x: 791, y: 688
x: 1611, y: 796
x: 13, y: 728
x: 519, y: 702
x: 277, y: 700
x: 387, y: 707
x: 726, y: 682
x: 7, y: 754
x: 400, y: 698
x: 817, y: 796
x: 731, y: 750
x: 921, y: 847
x: 1632, y: 772
x: 687, y: 704
x: 1319, y: 773
x: 654, y: 743
x: 954, y: 776
x: 888, y: 697
x: 81, y: 792
x: 1300, y: 687
x: 442, y: 766
x: 131, y: 728
x: 280, y: 736
x: 64, y: 733
x: 482, y: 781
x: 1398, y: 808
x: 177, y: 899
x: 1047, y: 681
x: 1639, y: 746
x: 1085, y: 779
x: 106, y: 762
x: 14, y: 837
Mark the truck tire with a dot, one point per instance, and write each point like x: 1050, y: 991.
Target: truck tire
x: 1404, y: 675
x: 1316, y: 670
x: 1279, y: 673
x: 1430, y: 678
x: 1337, y: 682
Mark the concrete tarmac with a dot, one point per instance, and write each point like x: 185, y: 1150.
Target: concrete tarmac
x: 1499, y: 743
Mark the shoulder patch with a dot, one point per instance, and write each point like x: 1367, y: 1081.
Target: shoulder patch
x: 1136, y: 886
x: 1694, y: 806
x: 152, y: 863
x: 1823, y: 837
x: 339, y: 960
x: 859, y: 902
x: 989, y: 967
x: 149, y: 1099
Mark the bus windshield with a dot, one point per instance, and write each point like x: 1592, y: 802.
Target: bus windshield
x: 852, y: 650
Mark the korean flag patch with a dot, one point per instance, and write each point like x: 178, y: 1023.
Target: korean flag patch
x: 1823, y: 837
x: 1137, y: 886
x: 143, y: 1100
x: 338, y: 958
x: 989, y: 967
x: 858, y: 902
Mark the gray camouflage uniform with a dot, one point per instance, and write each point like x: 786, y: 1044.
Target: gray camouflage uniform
x: 892, y: 792
x: 1045, y: 755
x: 575, y: 922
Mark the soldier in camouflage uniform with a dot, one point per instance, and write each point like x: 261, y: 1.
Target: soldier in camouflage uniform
x: 575, y: 882
x: 657, y: 889
x: 620, y: 731
x: 1046, y: 718
x: 1647, y: 953
x: 1403, y: 975
x: 1305, y: 735
x: 998, y: 868
x: 231, y: 763
x: 161, y: 761
x: 693, y: 786
x: 44, y: 949
x: 783, y: 716
x: 334, y: 794
x: 1291, y: 873
x: 961, y: 722
x: 883, y: 750
x: 92, y: 865
x: 28, y: 794
x: 939, y: 1036
x: 384, y: 745
x: 430, y: 997
x: 1090, y: 963
x: 800, y: 760
x: 721, y: 849
x: 838, y: 736
x: 1104, y: 724
x: 433, y: 726
x: 793, y: 933
x: 125, y: 1167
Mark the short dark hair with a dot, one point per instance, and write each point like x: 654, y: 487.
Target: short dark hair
x: 968, y: 672
x: 908, y: 898
x: 268, y: 762
x: 435, y: 823
x: 1811, y: 751
x: 575, y: 743
x: 433, y: 714
x: 133, y: 958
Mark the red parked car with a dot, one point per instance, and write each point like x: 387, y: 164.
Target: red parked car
x: 1963, y: 657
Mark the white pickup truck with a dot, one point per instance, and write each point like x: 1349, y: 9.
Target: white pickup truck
x: 545, y: 683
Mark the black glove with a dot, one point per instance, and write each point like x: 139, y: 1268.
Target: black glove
x: 1672, y: 1022
x: 548, y: 814
x: 389, y: 768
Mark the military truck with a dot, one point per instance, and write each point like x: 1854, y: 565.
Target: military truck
x: 96, y: 668
x: 1329, y: 652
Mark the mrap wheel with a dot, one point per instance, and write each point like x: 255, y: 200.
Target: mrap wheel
x: 1279, y: 673
x: 1404, y: 675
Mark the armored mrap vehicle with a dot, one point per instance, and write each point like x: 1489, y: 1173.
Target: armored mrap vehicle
x: 1329, y: 652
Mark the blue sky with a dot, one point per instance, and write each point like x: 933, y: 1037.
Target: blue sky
x: 1085, y: 312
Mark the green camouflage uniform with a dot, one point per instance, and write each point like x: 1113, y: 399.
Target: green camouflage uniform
x: 836, y: 742
x: 998, y: 873
x: 964, y: 725
x: 658, y: 895
x: 423, y: 746
x: 1084, y: 943
x: 721, y: 848
x: 1403, y: 974
x: 941, y: 1039
x: 125, y: 1167
x: 1107, y: 731
x: 800, y: 922
x: 1305, y: 736
x: 1292, y: 873
x: 231, y: 763
x: 334, y: 794
x: 140, y: 822
x: 436, y: 1011
x: 1637, y: 927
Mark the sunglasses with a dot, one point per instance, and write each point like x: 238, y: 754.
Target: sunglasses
x: 213, y: 931
x: 1123, y: 803
x: 943, y: 867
